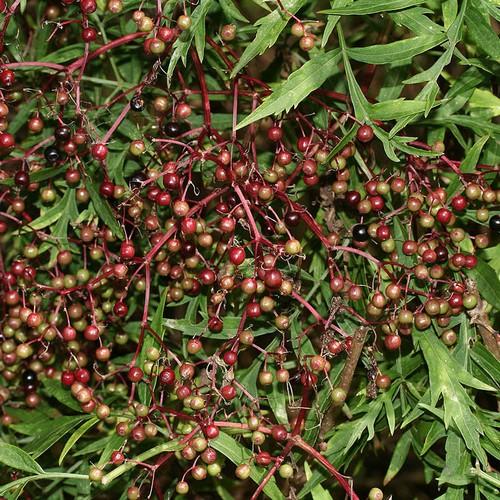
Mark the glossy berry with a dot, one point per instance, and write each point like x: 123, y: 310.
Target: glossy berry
x: 137, y: 103
x: 172, y: 129
x: 7, y: 78
x: 364, y: 133
x: 52, y: 154
x: 360, y: 233
x: 135, y: 374
x: 99, y: 152
x: 89, y: 34
x: 495, y: 223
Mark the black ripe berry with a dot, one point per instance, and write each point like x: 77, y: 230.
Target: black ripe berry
x: 172, y: 129
x: 495, y: 223
x: 52, y: 154
x: 137, y: 103
x: 29, y: 377
x: 62, y: 133
x: 360, y: 232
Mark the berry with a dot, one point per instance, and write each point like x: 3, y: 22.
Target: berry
x: 360, y: 233
x: 364, y: 133
x: 495, y: 223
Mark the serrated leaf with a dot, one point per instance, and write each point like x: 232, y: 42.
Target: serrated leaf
x: 238, y: 454
x: 231, y: 10
x: 183, y: 43
x: 76, y: 436
x: 297, y: 87
x: 363, y: 7
x: 15, y: 457
x: 268, y: 31
x: 395, y: 52
x: 103, y: 210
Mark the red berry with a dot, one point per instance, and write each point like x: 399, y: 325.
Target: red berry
x: 67, y: 378
x: 99, y: 152
x: 263, y: 458
x: 228, y: 392
x: 7, y: 140
x: 127, y: 250
x: 364, y: 133
x: 89, y: 35
x: 392, y: 342
x: 230, y: 358
x: 211, y: 431
x: 459, y: 203
x: 82, y: 375
x: 135, y: 374
x: 443, y: 215
x: 237, y: 255
x: 275, y: 134
x: 88, y: 6
x: 279, y: 432
x: 7, y: 78
x: 167, y: 376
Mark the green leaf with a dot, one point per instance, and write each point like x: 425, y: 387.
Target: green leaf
x: 65, y: 54
x: 269, y: 29
x: 395, y: 109
x: 238, y: 454
x: 468, y: 165
x: 486, y: 362
x: 150, y: 341
x: 363, y: 7
x: 103, y: 210
x: 183, y: 43
x: 45, y: 476
x: 481, y: 32
x: 53, y: 214
x: 398, y: 457
x: 446, y: 377
x: 396, y: 52
x: 487, y: 281
x: 54, y: 389
x: 76, y: 436
x: 50, y: 432
x: 297, y: 87
x: 359, y: 101
x: 416, y: 20
x: 277, y: 401
x: 14, y: 457
x: 458, y: 462
x: 230, y: 10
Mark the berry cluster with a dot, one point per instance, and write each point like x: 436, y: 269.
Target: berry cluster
x: 192, y: 286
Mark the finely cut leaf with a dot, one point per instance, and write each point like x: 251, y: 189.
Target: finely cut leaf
x: 297, y: 87
x: 268, y: 32
x: 103, y: 210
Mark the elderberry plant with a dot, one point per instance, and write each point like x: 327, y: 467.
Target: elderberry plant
x: 249, y: 249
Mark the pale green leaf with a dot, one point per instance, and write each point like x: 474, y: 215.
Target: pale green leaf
x: 14, y: 457
x: 76, y: 436
x: 396, y: 52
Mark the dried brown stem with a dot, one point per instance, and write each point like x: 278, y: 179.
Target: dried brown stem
x: 358, y: 341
